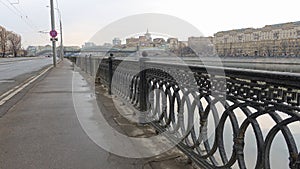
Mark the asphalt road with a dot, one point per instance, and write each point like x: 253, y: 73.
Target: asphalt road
x: 14, y: 71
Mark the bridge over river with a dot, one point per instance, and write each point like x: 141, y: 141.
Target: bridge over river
x: 219, y: 117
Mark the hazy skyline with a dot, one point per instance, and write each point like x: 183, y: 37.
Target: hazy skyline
x: 82, y: 19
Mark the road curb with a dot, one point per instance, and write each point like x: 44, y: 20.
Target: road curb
x: 9, y: 95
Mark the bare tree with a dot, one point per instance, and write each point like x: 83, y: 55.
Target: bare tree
x: 14, y: 43
x: 3, y: 41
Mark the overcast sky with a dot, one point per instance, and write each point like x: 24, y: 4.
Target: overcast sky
x: 83, y: 18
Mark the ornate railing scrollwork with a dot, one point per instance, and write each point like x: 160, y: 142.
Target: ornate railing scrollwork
x: 254, y: 105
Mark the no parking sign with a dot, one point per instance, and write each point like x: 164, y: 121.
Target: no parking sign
x: 53, y: 33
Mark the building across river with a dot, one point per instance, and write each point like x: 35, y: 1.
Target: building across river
x: 271, y: 40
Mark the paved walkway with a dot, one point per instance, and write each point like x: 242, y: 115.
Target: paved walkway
x: 42, y: 131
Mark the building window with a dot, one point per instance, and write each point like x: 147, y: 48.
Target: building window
x: 225, y: 40
x: 276, y: 35
x: 256, y: 36
x: 298, y: 33
x: 240, y: 37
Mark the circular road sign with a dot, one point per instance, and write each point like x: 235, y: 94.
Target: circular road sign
x: 53, y: 33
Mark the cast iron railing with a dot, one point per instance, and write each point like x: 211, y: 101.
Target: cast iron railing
x: 196, y: 103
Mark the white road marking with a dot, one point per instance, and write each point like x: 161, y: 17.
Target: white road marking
x: 7, y: 81
x: 11, y: 93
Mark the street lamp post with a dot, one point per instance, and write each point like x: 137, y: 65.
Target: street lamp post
x: 61, y: 42
x: 61, y: 34
x: 53, y: 28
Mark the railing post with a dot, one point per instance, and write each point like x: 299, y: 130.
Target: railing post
x: 143, y: 89
x: 110, y: 72
x: 78, y: 62
x: 73, y: 60
x: 86, y: 65
x: 91, y: 68
x: 97, y: 74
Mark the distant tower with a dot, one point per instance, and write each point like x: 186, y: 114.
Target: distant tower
x: 148, y: 36
x: 117, y: 42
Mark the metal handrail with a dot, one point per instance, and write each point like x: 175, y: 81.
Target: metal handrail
x: 240, y: 97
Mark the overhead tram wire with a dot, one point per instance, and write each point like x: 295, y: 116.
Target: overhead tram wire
x: 16, y: 2
x: 20, y: 10
x: 15, y: 8
x: 17, y: 14
x: 20, y: 14
x: 23, y: 15
x: 9, y: 8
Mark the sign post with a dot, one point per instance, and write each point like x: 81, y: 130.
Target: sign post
x: 53, y: 33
